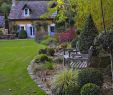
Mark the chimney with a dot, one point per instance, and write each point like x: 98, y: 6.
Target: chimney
x: 13, y: 2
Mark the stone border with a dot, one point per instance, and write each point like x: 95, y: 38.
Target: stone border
x: 37, y: 79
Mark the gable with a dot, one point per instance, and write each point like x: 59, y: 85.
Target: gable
x: 37, y: 8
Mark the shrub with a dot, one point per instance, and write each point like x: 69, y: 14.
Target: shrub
x: 90, y: 89
x: 63, y: 45
x: 43, y: 58
x: 67, y: 36
x: 72, y: 89
x: 73, y: 43
x: 88, y: 35
x: 62, y: 80
x: 22, y: 34
x: 90, y: 75
x: 1, y: 33
x: 51, y: 51
x: 42, y: 51
x: 37, y: 60
x: 48, y: 40
x: 48, y: 66
x: 58, y: 60
x: 105, y: 40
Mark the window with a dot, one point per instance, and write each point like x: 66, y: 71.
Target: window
x: 52, y: 28
x: 26, y: 12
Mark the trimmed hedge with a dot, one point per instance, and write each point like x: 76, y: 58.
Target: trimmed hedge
x: 90, y: 75
x: 72, y: 89
x: 90, y: 89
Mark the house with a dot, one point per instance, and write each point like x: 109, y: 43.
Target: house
x: 27, y: 15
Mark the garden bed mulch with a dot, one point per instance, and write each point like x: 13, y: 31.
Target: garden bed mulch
x: 107, y: 88
x: 43, y: 78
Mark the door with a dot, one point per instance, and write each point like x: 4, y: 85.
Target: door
x: 32, y: 32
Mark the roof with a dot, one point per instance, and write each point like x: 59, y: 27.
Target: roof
x: 38, y: 8
x: 2, y: 21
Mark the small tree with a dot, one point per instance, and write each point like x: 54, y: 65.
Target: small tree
x: 105, y: 40
x: 87, y: 36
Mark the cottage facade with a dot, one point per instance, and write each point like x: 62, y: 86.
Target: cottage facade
x: 27, y: 15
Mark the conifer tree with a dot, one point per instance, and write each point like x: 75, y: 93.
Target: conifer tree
x: 87, y: 36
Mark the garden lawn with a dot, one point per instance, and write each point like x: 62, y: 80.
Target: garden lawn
x: 15, y: 56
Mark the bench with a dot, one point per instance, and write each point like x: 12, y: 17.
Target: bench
x: 75, y: 59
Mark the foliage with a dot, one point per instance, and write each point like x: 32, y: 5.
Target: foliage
x: 90, y: 75
x: 72, y: 89
x: 45, y: 26
x: 78, y: 10
x: 51, y: 51
x: 48, y: 66
x: 62, y: 80
x: 67, y: 36
x: 5, y: 8
x: 43, y: 51
x: 63, y: 45
x: 22, y: 34
x: 84, y: 7
x: 73, y: 42
x: 41, y: 58
x: 1, y: 33
x: 105, y: 40
x: 48, y: 40
x: 88, y: 35
x: 90, y: 89
x: 58, y: 60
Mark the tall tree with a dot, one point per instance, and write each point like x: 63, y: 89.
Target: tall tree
x: 88, y: 35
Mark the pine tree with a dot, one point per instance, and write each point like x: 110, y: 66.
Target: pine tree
x: 87, y: 36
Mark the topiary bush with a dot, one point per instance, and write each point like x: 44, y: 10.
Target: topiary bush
x: 90, y: 75
x: 43, y: 51
x: 51, y: 51
x: 90, y: 89
x: 48, y: 66
x: 22, y: 34
x: 42, y: 58
x: 88, y: 35
x: 72, y: 89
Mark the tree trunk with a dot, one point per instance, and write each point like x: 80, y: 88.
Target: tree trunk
x: 103, y: 18
x: 111, y: 57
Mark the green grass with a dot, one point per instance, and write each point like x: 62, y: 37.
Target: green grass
x: 14, y: 59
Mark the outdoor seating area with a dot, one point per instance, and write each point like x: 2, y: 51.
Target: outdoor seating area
x: 74, y: 59
x: 8, y: 36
